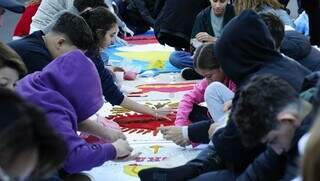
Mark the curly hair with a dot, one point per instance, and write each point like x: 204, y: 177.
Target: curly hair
x: 257, y: 104
x: 241, y: 5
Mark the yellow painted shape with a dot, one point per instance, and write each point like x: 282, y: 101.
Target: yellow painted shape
x: 157, y: 59
x: 155, y: 148
x: 133, y: 169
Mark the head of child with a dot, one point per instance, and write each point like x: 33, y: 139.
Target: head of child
x: 275, y: 26
x: 11, y: 67
x: 29, y: 147
x: 103, y: 25
x: 83, y: 5
x: 218, y: 7
x: 241, y: 5
x: 69, y: 32
x: 206, y: 64
x: 267, y: 110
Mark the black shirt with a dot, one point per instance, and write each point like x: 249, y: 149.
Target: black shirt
x: 33, y: 51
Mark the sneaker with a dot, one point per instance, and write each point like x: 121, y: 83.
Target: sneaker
x: 189, y: 73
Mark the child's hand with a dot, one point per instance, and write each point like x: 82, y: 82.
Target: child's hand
x: 227, y: 106
x: 123, y: 148
x: 205, y: 37
x: 212, y: 129
x: 111, y: 135
x: 174, y: 133
x: 162, y: 113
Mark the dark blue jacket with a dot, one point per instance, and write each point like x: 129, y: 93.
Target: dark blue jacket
x: 297, y: 46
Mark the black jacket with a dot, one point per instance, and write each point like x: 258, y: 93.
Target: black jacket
x: 147, y: 10
x: 243, y: 56
x: 298, y: 47
x: 312, y: 8
x: 203, y: 20
x: 246, y: 48
x: 174, y: 23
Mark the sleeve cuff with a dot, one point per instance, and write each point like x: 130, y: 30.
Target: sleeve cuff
x: 185, y: 132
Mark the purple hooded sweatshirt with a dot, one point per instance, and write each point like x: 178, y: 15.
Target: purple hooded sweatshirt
x: 69, y: 91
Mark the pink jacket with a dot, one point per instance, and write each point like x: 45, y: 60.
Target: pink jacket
x: 195, y: 96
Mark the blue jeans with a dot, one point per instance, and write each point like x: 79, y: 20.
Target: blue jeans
x: 216, y: 95
x: 181, y: 59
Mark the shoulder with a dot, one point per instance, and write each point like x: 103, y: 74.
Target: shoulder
x: 33, y: 42
x: 204, y: 12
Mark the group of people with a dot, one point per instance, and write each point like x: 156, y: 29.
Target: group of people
x: 259, y: 83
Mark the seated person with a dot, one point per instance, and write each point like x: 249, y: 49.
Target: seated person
x: 29, y: 147
x: 22, y: 28
x: 69, y: 91
x: 292, y: 43
x: 279, y: 120
x: 207, y: 27
x: 104, y: 29
x: 215, y: 89
x: 11, y: 67
x: 139, y: 15
x: 38, y: 49
x: 48, y: 9
x: 240, y: 65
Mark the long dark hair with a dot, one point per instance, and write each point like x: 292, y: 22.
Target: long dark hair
x: 204, y: 57
x: 100, y: 21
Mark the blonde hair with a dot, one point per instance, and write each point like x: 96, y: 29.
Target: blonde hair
x: 9, y: 58
x: 241, y: 5
x: 311, y: 157
x: 34, y: 2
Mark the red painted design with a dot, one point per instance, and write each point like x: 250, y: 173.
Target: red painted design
x: 166, y: 87
x: 141, y: 123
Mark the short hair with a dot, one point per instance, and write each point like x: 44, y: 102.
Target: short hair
x: 81, y: 5
x: 275, y: 26
x: 9, y: 58
x: 100, y: 20
x: 256, y: 105
x: 204, y: 57
x: 75, y: 28
x: 23, y: 127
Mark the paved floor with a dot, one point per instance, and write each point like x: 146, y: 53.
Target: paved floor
x: 10, y: 20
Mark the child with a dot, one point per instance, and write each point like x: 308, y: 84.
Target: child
x: 29, y: 147
x: 215, y: 89
x: 23, y: 26
x: 69, y: 90
x: 277, y: 123
x: 104, y: 28
x: 37, y: 50
x: 207, y: 28
x: 11, y: 67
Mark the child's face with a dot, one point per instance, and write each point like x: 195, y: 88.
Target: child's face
x: 212, y: 75
x: 8, y: 78
x: 110, y: 36
x: 218, y: 6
